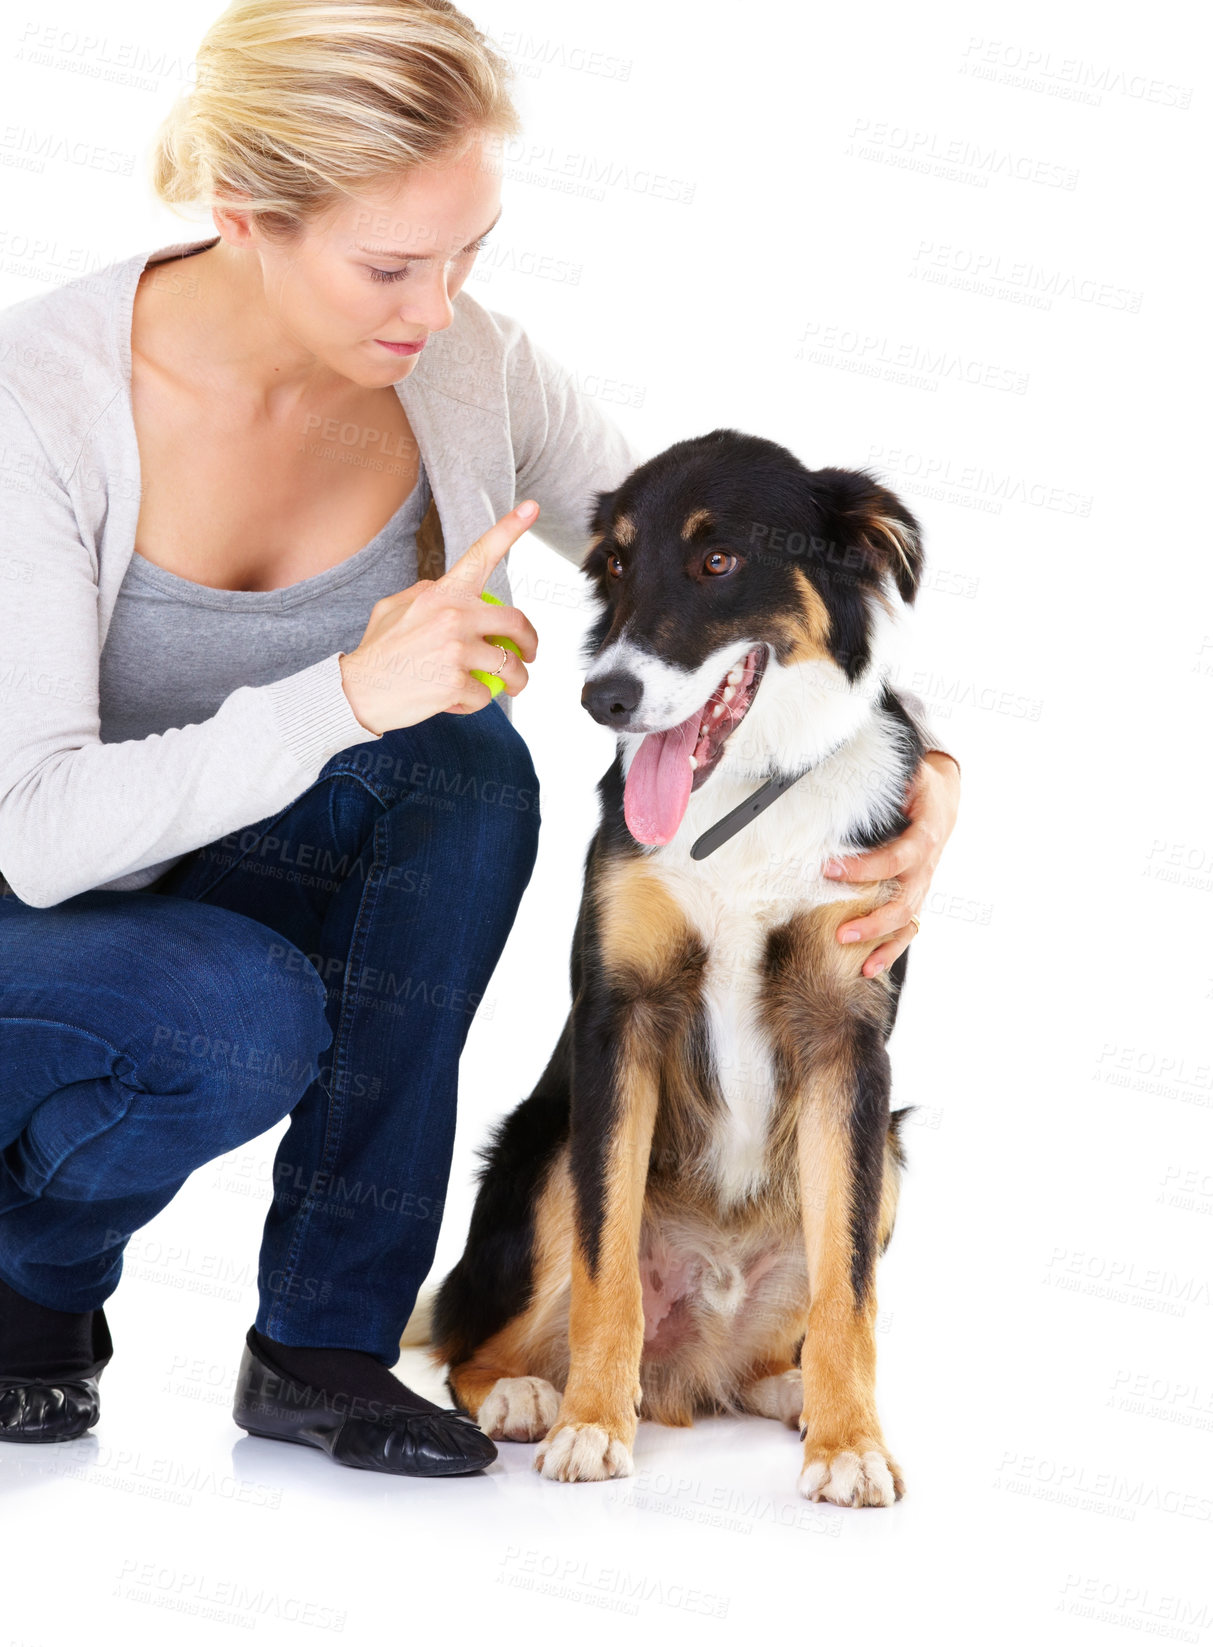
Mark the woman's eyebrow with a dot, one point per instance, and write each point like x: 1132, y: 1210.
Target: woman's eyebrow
x: 416, y: 257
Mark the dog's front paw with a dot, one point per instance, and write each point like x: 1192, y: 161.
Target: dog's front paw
x: 518, y: 1409
x: 582, y: 1452
x: 849, y: 1477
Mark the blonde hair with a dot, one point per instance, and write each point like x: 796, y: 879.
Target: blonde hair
x: 301, y: 103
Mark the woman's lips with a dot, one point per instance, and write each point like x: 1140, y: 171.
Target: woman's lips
x: 401, y: 348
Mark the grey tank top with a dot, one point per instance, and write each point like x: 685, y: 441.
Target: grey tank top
x: 176, y: 649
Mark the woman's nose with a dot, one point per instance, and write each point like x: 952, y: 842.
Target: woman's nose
x: 430, y: 304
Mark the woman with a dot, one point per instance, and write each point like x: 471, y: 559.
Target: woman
x: 258, y: 865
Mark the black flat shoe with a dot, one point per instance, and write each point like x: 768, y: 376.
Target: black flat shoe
x: 55, y: 1407
x: 391, y: 1440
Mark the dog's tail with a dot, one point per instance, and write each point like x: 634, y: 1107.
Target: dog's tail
x: 419, y: 1328
x: 896, y: 1143
x: 894, y: 1166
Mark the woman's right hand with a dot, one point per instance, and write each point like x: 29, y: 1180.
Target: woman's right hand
x: 419, y: 645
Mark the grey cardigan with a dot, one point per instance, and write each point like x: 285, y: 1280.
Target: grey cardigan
x: 495, y: 418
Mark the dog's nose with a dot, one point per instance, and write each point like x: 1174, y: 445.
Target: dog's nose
x: 612, y: 698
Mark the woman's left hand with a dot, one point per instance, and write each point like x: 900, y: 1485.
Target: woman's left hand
x: 932, y: 801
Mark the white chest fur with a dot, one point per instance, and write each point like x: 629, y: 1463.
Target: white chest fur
x: 753, y: 883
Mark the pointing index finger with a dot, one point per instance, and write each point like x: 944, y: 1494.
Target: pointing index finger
x: 472, y: 570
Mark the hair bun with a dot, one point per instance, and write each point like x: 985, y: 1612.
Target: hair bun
x: 300, y: 103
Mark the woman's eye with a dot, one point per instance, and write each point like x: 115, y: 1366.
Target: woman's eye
x: 399, y: 274
x: 719, y: 562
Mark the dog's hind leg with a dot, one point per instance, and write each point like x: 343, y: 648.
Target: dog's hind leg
x: 509, y: 1382
x: 774, y: 1389
x: 492, y: 1282
x: 507, y: 1402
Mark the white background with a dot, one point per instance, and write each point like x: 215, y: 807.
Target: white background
x: 964, y: 245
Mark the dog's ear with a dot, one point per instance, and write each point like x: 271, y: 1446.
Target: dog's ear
x: 598, y: 521
x: 601, y: 511
x: 877, y: 533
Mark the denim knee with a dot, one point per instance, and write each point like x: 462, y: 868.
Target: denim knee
x: 476, y: 765
x: 241, y: 1027
x: 199, y: 1034
x: 509, y: 791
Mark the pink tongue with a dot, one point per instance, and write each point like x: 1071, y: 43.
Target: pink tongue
x: 659, y: 782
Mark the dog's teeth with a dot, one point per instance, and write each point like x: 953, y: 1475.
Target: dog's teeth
x: 734, y: 676
x: 729, y: 693
x: 717, y: 711
x: 703, y: 731
x: 694, y: 762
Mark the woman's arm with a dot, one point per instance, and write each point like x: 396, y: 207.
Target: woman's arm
x: 567, y: 446
x: 76, y: 813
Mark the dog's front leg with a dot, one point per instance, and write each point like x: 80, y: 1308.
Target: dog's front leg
x: 841, y: 1138
x: 614, y: 1104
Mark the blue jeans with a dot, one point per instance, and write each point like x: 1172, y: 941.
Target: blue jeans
x: 324, y: 963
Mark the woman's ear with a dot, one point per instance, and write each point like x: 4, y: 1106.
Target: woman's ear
x: 873, y: 524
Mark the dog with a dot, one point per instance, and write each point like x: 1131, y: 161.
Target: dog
x: 685, y: 1215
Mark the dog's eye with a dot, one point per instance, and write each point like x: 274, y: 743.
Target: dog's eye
x: 719, y: 562
x: 614, y: 566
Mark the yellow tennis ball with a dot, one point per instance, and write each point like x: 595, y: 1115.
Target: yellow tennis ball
x: 494, y: 683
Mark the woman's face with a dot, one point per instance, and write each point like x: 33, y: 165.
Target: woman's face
x: 383, y: 269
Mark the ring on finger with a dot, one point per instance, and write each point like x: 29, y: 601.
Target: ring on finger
x: 504, y: 658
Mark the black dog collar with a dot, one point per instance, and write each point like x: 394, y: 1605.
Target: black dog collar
x: 728, y: 826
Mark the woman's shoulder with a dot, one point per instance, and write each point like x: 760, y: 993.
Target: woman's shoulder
x: 486, y: 358
x: 73, y: 319
x: 60, y: 364
x: 469, y: 359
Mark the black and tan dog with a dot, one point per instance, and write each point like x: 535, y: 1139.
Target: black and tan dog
x: 685, y: 1215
